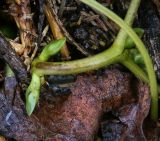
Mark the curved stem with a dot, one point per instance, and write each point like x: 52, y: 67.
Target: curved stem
x: 119, y: 43
x: 98, y: 61
x: 78, y: 66
x: 135, y: 69
x: 139, y: 73
x: 140, y: 47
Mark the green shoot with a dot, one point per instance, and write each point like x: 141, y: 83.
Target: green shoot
x: 114, y: 54
x: 129, y: 42
x: 33, y: 91
x: 140, y: 46
x: 103, y: 59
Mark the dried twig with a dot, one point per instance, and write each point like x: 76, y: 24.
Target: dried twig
x: 14, y: 61
x: 52, y: 6
x: 57, y: 33
x: 17, y: 47
x: 20, y: 9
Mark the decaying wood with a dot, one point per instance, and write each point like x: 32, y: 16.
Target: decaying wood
x: 128, y: 122
x: 74, y: 118
x: 40, y: 20
x: 13, y: 60
x: 14, y: 121
x: 20, y: 9
x: 82, y: 110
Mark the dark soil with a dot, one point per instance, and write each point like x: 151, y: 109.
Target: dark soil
x: 109, y: 104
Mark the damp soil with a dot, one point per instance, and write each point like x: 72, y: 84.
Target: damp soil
x: 109, y: 104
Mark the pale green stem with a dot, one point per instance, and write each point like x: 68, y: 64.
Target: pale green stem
x: 139, y: 45
x: 120, y: 41
x: 139, y: 73
x: 32, y: 93
x: 91, y: 63
x: 136, y: 70
x: 105, y: 58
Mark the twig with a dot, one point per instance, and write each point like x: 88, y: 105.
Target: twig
x: 13, y: 60
x: 17, y: 47
x: 57, y: 33
x: 20, y: 9
x: 40, y: 20
x: 68, y: 36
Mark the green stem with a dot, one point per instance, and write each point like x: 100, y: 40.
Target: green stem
x: 32, y: 93
x: 78, y: 66
x: 95, y: 62
x: 140, y: 47
x: 129, y: 18
x: 139, y: 73
x: 129, y: 42
x: 135, y: 69
x: 108, y: 57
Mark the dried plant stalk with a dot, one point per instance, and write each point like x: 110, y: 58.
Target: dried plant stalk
x: 17, y: 47
x: 65, y: 32
x: 20, y: 9
x: 57, y: 33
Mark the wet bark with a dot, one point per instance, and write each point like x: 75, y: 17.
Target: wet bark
x: 128, y: 122
x: 73, y: 118
x: 13, y: 60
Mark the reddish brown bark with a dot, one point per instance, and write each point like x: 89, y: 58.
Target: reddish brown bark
x: 74, y: 118
x: 79, y: 116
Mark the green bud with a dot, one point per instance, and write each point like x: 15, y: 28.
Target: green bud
x: 51, y: 49
x: 138, y: 59
x: 31, y: 101
x: 129, y: 42
x: 32, y: 93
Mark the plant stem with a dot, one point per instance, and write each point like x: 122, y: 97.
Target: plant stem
x: 139, y: 73
x: 129, y: 18
x: 129, y: 42
x: 135, y: 69
x: 107, y: 57
x: 78, y: 66
x: 140, y: 47
x: 91, y: 63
